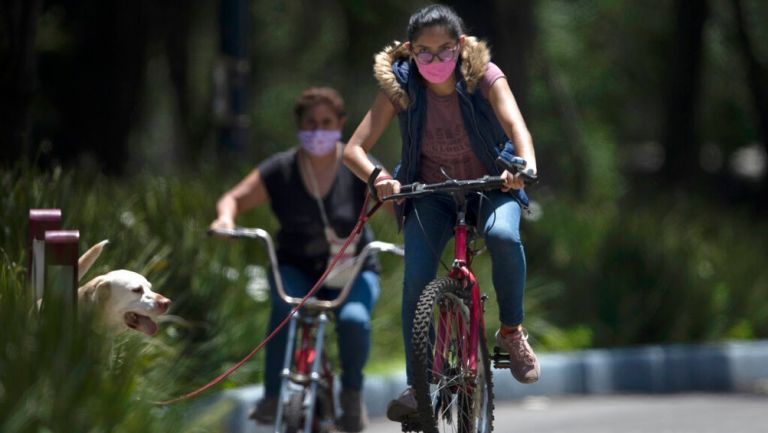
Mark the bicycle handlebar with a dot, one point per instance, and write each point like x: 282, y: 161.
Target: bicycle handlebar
x: 416, y: 189
x: 257, y: 233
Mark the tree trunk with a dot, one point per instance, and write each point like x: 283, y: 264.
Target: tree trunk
x: 515, y: 37
x: 680, y: 140
x: 173, y: 25
x: 235, y: 30
x: 510, y: 28
x: 100, y: 83
x: 17, y: 76
x: 757, y: 78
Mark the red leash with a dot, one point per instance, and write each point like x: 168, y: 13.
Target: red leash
x: 362, y: 219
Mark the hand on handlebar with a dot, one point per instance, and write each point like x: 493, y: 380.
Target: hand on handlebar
x: 221, y: 223
x: 386, y: 188
x: 512, y: 181
x: 382, y: 185
x: 515, y: 173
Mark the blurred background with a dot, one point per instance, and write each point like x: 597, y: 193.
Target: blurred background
x: 650, y: 122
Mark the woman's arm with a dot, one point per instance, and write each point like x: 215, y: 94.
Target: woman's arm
x: 249, y: 193
x: 366, y: 135
x: 511, y: 119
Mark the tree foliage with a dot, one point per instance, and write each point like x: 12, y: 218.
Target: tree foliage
x: 648, y: 118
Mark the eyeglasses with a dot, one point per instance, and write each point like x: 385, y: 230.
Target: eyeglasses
x: 446, y: 55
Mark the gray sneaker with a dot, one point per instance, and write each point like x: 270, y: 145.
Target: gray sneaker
x: 265, y: 411
x: 354, y: 416
x: 402, y: 407
x: 524, y: 364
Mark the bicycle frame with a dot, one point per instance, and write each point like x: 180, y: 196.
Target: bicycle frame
x: 308, y: 366
x: 462, y: 271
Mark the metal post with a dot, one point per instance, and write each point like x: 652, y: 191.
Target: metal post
x: 40, y: 221
x: 61, y: 253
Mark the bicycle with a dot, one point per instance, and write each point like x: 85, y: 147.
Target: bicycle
x: 452, y: 378
x: 306, y: 400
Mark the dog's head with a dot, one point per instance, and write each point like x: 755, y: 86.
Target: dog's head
x: 125, y: 299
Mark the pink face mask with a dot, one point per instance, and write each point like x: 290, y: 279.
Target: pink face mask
x: 319, y: 141
x: 437, y: 72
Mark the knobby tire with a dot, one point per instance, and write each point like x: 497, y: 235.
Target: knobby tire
x: 449, y: 401
x: 293, y: 416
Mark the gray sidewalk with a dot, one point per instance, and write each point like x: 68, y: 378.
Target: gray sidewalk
x: 726, y: 367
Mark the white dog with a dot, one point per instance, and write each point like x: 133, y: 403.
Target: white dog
x: 123, y: 299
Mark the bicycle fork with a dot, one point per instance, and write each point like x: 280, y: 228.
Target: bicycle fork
x: 471, y: 330
x: 306, y: 355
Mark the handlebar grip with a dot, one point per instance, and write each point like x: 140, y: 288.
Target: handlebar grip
x: 514, y: 165
x: 371, y: 179
x: 229, y: 233
x: 219, y: 232
x: 517, y: 165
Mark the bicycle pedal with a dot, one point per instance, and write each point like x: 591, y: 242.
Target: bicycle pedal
x: 500, y: 358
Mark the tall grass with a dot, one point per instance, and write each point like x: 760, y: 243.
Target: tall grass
x: 56, y: 375
x: 60, y: 375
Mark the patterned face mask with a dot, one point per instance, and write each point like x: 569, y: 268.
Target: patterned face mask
x: 319, y: 141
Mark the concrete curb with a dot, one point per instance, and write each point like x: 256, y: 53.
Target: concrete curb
x: 724, y: 367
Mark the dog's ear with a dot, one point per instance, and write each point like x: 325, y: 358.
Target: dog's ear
x: 85, y: 261
x: 101, y: 292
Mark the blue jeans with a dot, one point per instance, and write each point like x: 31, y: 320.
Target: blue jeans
x: 353, y: 325
x: 427, y: 230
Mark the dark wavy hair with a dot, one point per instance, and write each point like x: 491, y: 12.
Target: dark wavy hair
x: 435, y: 15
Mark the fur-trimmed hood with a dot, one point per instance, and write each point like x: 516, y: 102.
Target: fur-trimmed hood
x: 475, y: 56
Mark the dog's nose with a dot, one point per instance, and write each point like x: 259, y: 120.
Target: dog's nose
x: 164, y: 303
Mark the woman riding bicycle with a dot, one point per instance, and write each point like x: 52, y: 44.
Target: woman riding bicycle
x: 457, y: 114
x: 316, y: 201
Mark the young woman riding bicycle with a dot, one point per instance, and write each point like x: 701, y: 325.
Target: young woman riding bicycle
x: 457, y: 115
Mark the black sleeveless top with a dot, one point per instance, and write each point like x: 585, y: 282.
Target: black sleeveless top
x: 301, y: 238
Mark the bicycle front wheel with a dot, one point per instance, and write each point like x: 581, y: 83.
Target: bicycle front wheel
x: 452, y: 396
x: 293, y: 417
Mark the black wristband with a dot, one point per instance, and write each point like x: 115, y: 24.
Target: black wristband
x: 371, y: 179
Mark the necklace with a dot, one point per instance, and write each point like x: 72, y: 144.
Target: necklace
x: 310, y: 172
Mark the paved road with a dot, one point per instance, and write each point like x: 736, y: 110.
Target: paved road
x: 685, y: 413
x: 581, y: 392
